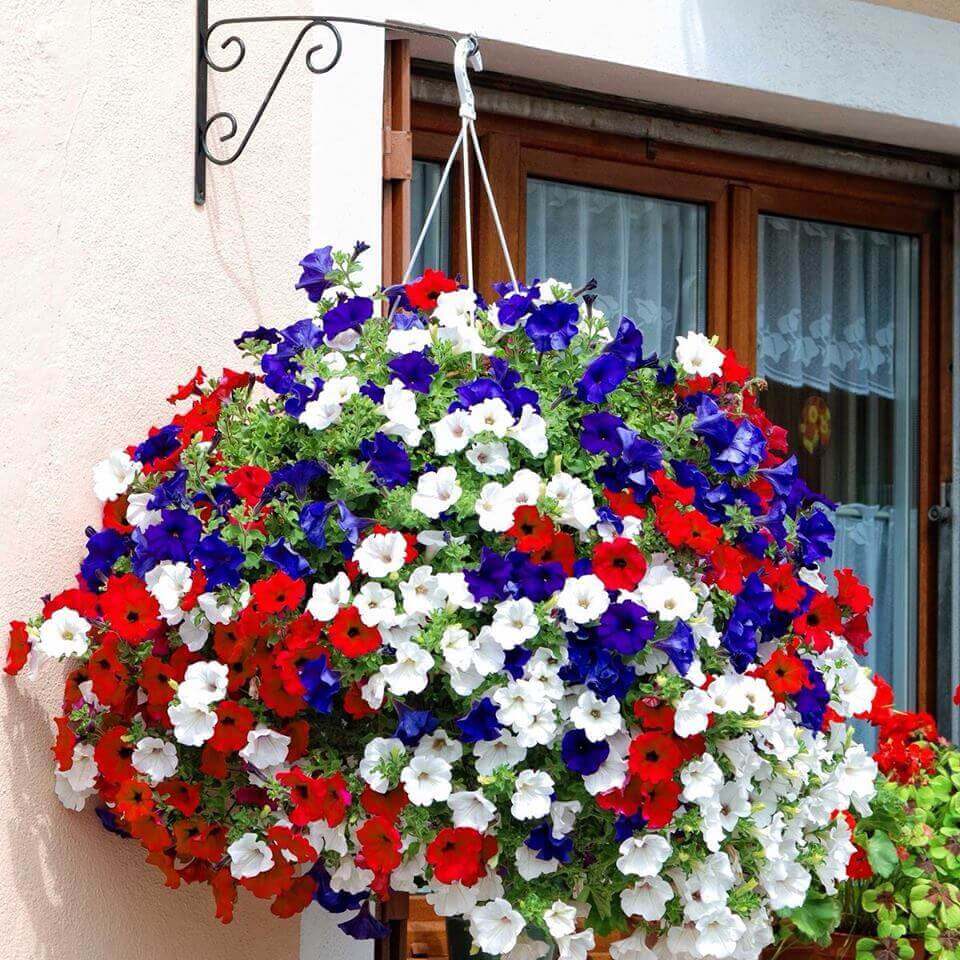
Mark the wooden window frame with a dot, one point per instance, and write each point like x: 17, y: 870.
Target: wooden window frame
x: 736, y: 190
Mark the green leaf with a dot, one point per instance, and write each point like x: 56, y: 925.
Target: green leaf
x: 882, y: 854
x: 817, y: 918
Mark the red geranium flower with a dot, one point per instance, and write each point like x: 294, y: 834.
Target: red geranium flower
x: 654, y: 757
x: 457, y: 855
x: 379, y: 845
x: 278, y: 592
x: 531, y: 529
x: 113, y: 755
x: 619, y: 564
x: 135, y: 800
x: 18, y: 649
x: 859, y: 866
x: 351, y: 636
x: 423, y: 294
x: 234, y: 722
x: 129, y: 609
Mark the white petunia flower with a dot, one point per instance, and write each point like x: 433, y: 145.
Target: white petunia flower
x: 560, y: 918
x: 376, y: 604
x: 450, y: 899
x: 470, y: 808
x: 436, y: 492
x: 381, y: 554
x: 422, y: 593
x: 439, y: 744
x: 73, y: 786
x: 426, y: 780
x: 399, y: 406
x: 491, y: 459
x: 451, y: 433
x: 633, y: 947
x: 64, y: 634
x: 320, y: 414
x: 156, y: 759
x: 647, y: 898
x: 204, y: 684
x: 530, y: 866
x: 495, y: 508
x: 504, y: 751
x: 139, y: 514
x: 112, y: 477
x: 265, y: 748
x: 698, y: 356
x: 719, y: 933
x: 575, y: 501
x: 339, y: 390
x: 519, y: 701
x: 326, y: 599
x: 168, y: 583
x: 692, y: 712
x: 411, y: 670
x: 583, y: 599
x: 249, y: 856
x: 491, y: 416
x: 643, y: 856
x: 377, y: 752
x: 192, y: 726
x: 576, y: 946
x: 786, y: 883
x: 514, y: 622
x: 531, y: 795
x: 530, y: 431
x: 701, y: 778
x: 598, y: 719
x: 672, y: 598
x: 496, y: 926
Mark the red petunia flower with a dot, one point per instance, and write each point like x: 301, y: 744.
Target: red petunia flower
x: 733, y: 370
x: 379, y: 845
x: 113, y: 755
x: 389, y: 804
x: 788, y: 592
x: 624, y: 504
x: 316, y: 798
x: 619, y: 564
x: 654, y: 757
x: 818, y: 621
x: 458, y: 855
x: 784, y: 673
x: 560, y: 550
x: 135, y: 800
x: 297, y: 846
x: 727, y: 568
x: 129, y: 609
x: 114, y: 516
x: 857, y: 633
x: 195, y: 837
x: 85, y: 603
x: 351, y: 636
x: 354, y: 704
x: 295, y: 898
x: 213, y: 763
x: 670, y: 490
x: 423, y: 294
x: 654, y: 714
x: 108, y: 673
x: 63, y: 745
x: 180, y: 795
x: 277, y: 593
x: 299, y: 733
x: 189, y: 388
x: 224, y: 894
x: 234, y: 722
x: 531, y: 529
x: 272, y: 882
x: 18, y: 648
x: 152, y: 834
x: 166, y: 865
x: 248, y: 483
x: 851, y: 593
x: 660, y: 803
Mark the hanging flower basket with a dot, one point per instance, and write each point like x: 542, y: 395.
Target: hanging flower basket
x: 480, y: 601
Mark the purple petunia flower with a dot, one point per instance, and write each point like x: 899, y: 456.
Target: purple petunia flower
x: 734, y: 447
x: 387, y: 460
x: 313, y: 522
x: 552, y: 326
x: 364, y: 926
x: 349, y: 314
x: 679, y: 647
x: 625, y: 627
x: 283, y: 556
x: 599, y: 434
x: 335, y: 901
x: 815, y: 535
x: 602, y: 376
x: 413, y: 724
x: 548, y: 847
x: 320, y: 682
x: 582, y: 755
x: 220, y: 560
x: 104, y: 549
x: 489, y: 581
x: 414, y: 370
x: 350, y: 524
x: 480, y: 723
x: 163, y: 443
x: 298, y: 476
x: 316, y: 266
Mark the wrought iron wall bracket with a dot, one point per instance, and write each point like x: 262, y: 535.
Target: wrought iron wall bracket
x: 320, y: 57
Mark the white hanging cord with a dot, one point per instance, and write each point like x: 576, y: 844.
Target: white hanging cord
x: 466, y: 50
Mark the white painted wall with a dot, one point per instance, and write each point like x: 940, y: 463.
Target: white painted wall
x: 114, y: 285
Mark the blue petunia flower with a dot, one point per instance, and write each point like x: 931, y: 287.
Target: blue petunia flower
x: 480, y: 722
x: 539, y: 581
x: 751, y: 612
x: 599, y: 434
x: 387, y: 459
x: 335, y: 901
x: 350, y: 524
x: 413, y: 724
x: 313, y: 522
x: 552, y: 326
x: 104, y: 549
x: 812, y: 700
x: 174, y: 538
x: 171, y: 493
x: 602, y: 376
x: 364, y: 926
x: 734, y: 447
x: 627, y: 344
x: 265, y: 334
x: 679, y: 647
x: 221, y: 561
x: 349, y: 314
x: 815, y: 535
x: 548, y: 847
x: 283, y: 556
x: 299, y: 476
x: 414, y: 370
x: 159, y: 446
x: 489, y: 581
x: 625, y: 627
x: 316, y: 266
x: 320, y: 682
x: 515, y: 660
x: 582, y: 755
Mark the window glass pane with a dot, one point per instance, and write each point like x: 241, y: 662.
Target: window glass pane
x: 837, y: 342
x: 647, y: 255
x: 435, y: 253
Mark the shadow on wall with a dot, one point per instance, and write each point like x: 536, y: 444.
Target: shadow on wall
x: 73, y: 891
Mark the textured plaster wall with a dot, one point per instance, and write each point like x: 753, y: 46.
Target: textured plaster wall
x: 113, y: 286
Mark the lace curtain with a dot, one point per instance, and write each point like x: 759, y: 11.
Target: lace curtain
x: 837, y: 323
x: 646, y: 254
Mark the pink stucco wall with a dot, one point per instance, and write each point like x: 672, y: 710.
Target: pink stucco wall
x: 112, y: 287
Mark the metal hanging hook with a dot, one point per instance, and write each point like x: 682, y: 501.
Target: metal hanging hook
x: 466, y: 53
